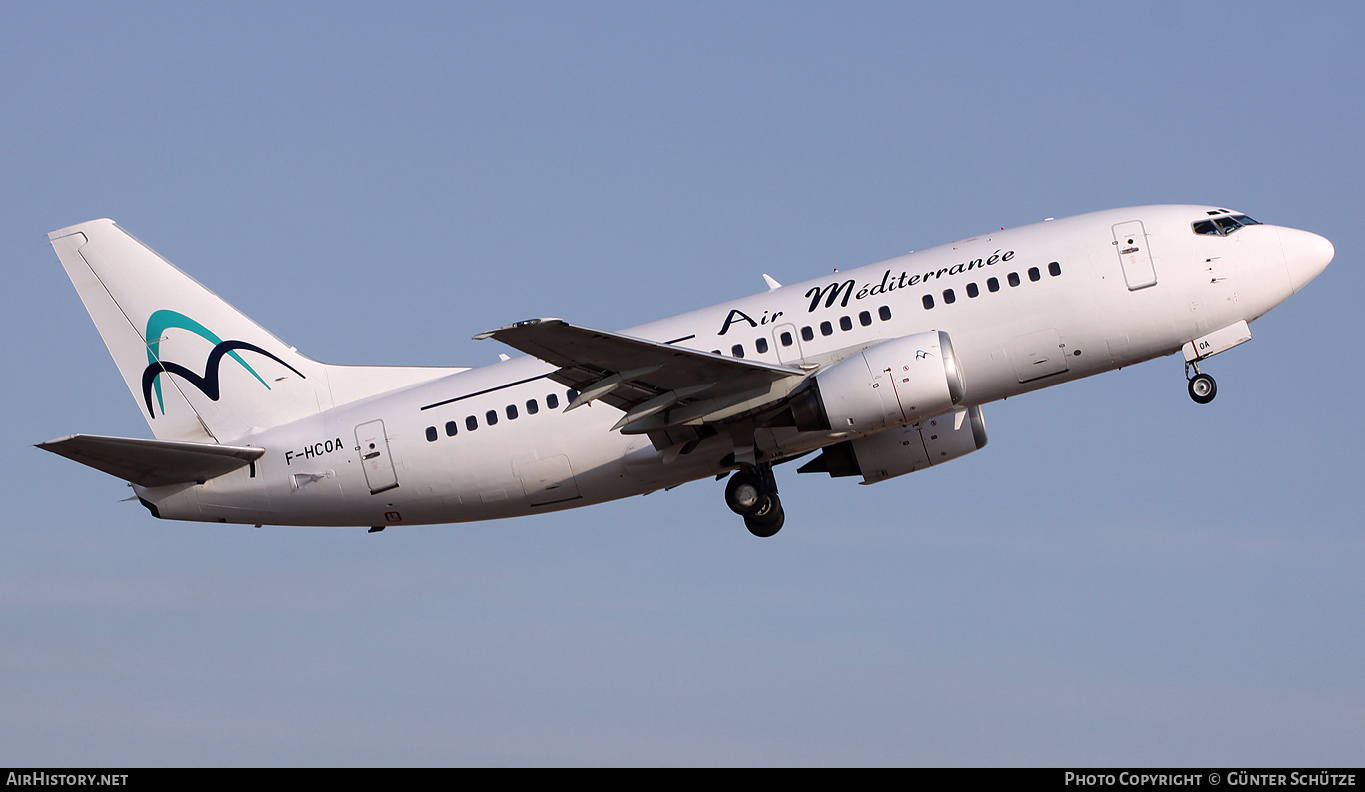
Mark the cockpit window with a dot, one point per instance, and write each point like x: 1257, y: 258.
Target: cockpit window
x: 1222, y: 226
x: 1227, y: 225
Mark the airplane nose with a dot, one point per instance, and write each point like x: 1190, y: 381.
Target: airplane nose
x: 1305, y: 255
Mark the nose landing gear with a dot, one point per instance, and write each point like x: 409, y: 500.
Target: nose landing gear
x: 752, y: 494
x: 1202, y: 387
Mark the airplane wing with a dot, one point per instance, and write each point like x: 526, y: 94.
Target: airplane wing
x: 153, y: 463
x: 657, y: 385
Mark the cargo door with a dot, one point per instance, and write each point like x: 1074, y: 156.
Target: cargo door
x: 1038, y: 355
x: 548, y: 480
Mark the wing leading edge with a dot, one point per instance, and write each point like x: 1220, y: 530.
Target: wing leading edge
x: 657, y: 385
x: 153, y: 463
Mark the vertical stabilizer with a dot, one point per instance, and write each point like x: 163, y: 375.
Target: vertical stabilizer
x: 197, y: 367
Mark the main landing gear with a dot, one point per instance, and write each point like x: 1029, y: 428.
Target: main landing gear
x: 752, y: 494
x: 1202, y: 386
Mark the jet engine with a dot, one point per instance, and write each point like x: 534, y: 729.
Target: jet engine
x: 903, y: 449
x: 890, y: 384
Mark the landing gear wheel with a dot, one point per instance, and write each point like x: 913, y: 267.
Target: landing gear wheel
x: 746, y: 494
x: 752, y: 494
x: 1203, y: 388
x: 768, y: 520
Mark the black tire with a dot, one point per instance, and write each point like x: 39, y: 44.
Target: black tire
x: 745, y: 494
x: 769, y: 520
x: 1203, y: 388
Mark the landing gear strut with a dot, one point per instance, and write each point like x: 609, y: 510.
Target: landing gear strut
x: 752, y: 494
x: 1202, y: 386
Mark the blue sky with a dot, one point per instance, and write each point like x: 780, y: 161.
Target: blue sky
x: 1120, y: 577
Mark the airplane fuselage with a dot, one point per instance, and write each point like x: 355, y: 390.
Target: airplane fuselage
x: 1025, y: 308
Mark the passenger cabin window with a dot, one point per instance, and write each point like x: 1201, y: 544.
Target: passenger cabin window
x: 826, y: 328
x: 1014, y: 279
x: 864, y: 318
x: 761, y: 345
x: 471, y: 423
x: 532, y: 407
x: 431, y: 434
x: 928, y: 301
x: 1034, y: 274
x: 845, y: 323
x: 737, y: 350
x: 452, y: 428
x: 511, y: 412
x: 1054, y: 269
x: 786, y: 338
x: 807, y: 334
x: 491, y: 417
x: 948, y: 297
x: 552, y: 401
x: 972, y: 291
x: 885, y: 313
x: 993, y: 284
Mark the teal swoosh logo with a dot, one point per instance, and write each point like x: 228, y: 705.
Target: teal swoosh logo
x: 158, y: 324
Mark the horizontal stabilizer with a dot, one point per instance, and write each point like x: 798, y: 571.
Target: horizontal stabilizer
x: 153, y: 463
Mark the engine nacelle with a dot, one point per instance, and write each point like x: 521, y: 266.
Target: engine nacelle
x: 891, y: 384
x: 903, y: 449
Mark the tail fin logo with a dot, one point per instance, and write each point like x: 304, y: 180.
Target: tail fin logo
x: 159, y: 323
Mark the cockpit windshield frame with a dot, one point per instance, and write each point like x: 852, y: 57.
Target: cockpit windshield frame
x: 1222, y: 226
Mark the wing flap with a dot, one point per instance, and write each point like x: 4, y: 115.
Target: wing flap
x: 153, y: 463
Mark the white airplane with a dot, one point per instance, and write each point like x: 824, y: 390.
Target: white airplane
x: 882, y: 369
